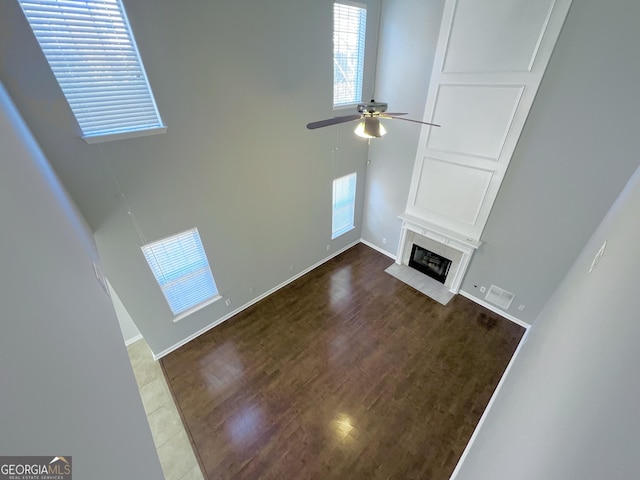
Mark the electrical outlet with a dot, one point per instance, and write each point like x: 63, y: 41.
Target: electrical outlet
x: 483, y: 289
x: 384, y: 240
x: 521, y: 307
x: 328, y: 247
x: 227, y: 302
x: 250, y: 290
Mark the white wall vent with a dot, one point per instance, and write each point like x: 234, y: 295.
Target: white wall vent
x: 499, y: 297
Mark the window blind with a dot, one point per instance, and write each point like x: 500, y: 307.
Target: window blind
x: 349, y: 29
x: 92, y: 53
x: 181, y: 268
x: 344, y: 204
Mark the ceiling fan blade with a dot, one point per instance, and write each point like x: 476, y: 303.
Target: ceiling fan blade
x: 332, y: 121
x: 393, y: 114
x: 410, y: 120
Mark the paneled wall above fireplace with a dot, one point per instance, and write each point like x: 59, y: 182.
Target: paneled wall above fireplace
x: 490, y: 60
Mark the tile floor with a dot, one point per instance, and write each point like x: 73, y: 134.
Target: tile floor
x: 174, y: 449
x: 421, y: 282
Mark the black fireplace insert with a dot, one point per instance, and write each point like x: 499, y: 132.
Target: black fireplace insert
x: 429, y: 263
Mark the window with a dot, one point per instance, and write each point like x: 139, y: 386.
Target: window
x: 344, y: 204
x: 92, y: 53
x: 349, y: 28
x: 181, y: 268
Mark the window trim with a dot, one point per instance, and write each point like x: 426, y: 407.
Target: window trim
x: 85, y: 46
x: 363, y: 35
x: 110, y: 137
x: 338, y: 233
x: 195, y: 308
x: 188, y: 235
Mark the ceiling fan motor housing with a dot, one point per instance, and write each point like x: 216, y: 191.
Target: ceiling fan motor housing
x: 372, y: 107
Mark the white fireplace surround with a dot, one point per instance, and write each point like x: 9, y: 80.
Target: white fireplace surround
x: 438, y: 240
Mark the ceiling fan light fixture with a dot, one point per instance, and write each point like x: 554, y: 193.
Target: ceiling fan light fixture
x: 368, y: 118
x: 359, y: 131
x: 382, y: 131
x: 370, y: 127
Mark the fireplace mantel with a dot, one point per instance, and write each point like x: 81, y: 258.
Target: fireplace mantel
x: 436, y: 232
x: 443, y: 236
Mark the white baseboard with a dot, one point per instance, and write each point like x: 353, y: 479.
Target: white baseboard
x: 375, y: 247
x: 158, y: 356
x: 523, y: 340
x: 488, y: 306
x: 133, y: 340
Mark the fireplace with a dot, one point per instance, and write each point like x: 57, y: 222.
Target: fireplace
x: 448, y: 257
x: 430, y: 263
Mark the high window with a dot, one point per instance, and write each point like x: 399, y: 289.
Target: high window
x: 93, y: 55
x: 182, y: 270
x: 349, y: 29
x: 344, y: 205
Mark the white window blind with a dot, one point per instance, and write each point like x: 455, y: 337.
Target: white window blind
x: 344, y: 204
x: 92, y: 53
x: 182, y: 270
x: 349, y: 28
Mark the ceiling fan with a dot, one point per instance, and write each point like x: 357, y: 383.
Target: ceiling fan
x: 369, y: 115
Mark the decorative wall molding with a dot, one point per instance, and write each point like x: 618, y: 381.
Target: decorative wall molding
x: 490, y: 60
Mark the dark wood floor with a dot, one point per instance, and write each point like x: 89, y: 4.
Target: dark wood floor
x: 346, y: 373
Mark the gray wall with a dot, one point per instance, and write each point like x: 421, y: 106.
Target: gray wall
x: 130, y: 332
x: 408, y: 36
x: 568, y: 408
x: 577, y: 150
x: 67, y: 385
x: 236, y: 83
x: 575, y: 153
